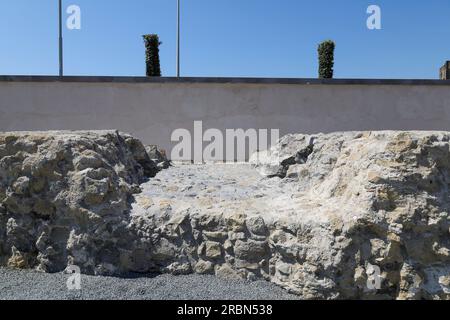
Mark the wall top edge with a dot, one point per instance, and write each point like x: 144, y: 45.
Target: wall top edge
x: 218, y: 80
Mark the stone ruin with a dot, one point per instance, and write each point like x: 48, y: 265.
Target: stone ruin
x: 323, y: 216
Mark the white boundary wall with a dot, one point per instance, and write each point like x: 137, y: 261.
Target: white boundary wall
x: 152, y: 109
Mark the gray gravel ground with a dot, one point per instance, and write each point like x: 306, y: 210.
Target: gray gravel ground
x: 26, y: 285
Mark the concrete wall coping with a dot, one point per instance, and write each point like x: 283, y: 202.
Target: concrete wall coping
x: 218, y: 80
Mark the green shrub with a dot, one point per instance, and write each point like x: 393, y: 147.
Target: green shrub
x: 153, y: 67
x: 326, y: 59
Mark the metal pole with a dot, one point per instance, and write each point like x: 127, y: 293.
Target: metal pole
x: 61, y: 62
x: 178, y: 38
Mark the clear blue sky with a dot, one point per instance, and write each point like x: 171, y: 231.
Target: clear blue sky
x: 250, y: 38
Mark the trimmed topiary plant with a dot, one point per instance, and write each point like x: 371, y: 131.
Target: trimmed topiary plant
x: 326, y: 59
x: 153, y: 67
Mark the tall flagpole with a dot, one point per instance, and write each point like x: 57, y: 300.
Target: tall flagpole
x: 178, y: 38
x: 61, y: 65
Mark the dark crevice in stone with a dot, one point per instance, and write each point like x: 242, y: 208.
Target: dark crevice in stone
x: 300, y: 157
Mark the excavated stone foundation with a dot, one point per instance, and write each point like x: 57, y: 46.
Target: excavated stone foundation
x: 356, y: 215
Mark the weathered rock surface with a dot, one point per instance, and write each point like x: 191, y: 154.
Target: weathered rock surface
x: 365, y: 201
x: 64, y: 197
x: 344, y: 215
